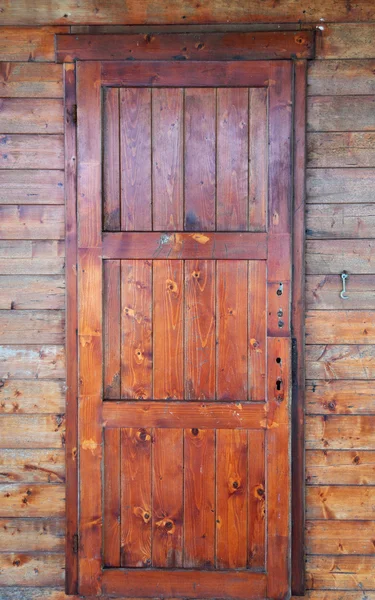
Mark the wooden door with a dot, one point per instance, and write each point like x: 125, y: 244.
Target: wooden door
x: 184, y: 186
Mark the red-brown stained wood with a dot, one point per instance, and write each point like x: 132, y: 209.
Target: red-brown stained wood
x: 256, y: 499
x: 232, y: 324
x: 231, y: 499
x: 167, y: 159
x: 111, y: 160
x: 200, y: 319
x: 232, y: 159
x: 200, y: 159
x: 136, y: 497
x: 136, y: 329
x: 199, y: 498
x: 168, y: 299
x: 258, y: 159
x: 112, y: 498
x: 135, y: 128
x: 257, y: 330
x: 167, y: 498
x: 112, y: 328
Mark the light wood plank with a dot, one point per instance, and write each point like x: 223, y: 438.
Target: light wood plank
x: 340, y: 221
x: 341, y: 77
x: 31, y: 187
x: 340, y: 502
x: 340, y: 537
x: 31, y: 151
x: 323, y: 292
x: 331, y: 467
x: 31, y: 80
x: 26, y: 115
x: 337, y: 397
x: 340, y: 432
x: 32, y: 222
x: 32, y: 535
x: 47, y: 326
x: 341, y: 113
x: 29, y: 44
x: 352, y: 149
x: 32, y: 500
x: 340, y: 186
x: 32, y: 466
x: 340, y: 362
x: 341, y: 572
x: 32, y: 362
x: 343, y: 327
x: 334, y: 256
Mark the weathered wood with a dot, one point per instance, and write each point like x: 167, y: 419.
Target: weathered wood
x: 355, y: 149
x: 344, y: 327
x: 340, y: 502
x: 29, y: 44
x: 21, y: 151
x: 36, y: 465
x: 27, y: 396
x: 31, y: 187
x: 340, y: 432
x: 334, y: 256
x: 32, y: 535
x: 31, y: 362
x: 32, y: 291
x: 31, y: 569
x: 32, y: 431
x: 24, y: 115
x: 340, y: 362
x: 32, y: 500
x: 31, y: 257
x: 32, y: 222
x: 182, y: 46
x: 336, y: 186
x: 322, y: 292
x: 341, y: 572
x: 31, y: 80
x: 353, y: 40
x: 341, y: 113
x: 337, y: 397
x: 330, y: 467
x: 340, y: 221
x: 341, y: 77
x: 340, y: 537
x: 47, y: 326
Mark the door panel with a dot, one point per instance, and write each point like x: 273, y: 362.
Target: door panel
x: 184, y: 301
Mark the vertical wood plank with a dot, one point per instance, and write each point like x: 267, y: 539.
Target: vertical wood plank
x: 257, y: 330
x: 168, y: 329
x: 111, y: 160
x: 200, y: 344
x: 71, y: 578
x: 90, y: 326
x: 232, y: 159
x: 135, y: 136
x: 112, y: 496
x: 167, y: 159
x: 136, y: 329
x: 111, y: 327
x: 167, y: 498
x: 200, y: 159
x: 136, y: 497
x: 199, y: 501
x: 232, y: 330
x: 231, y: 498
x: 257, y: 500
x: 258, y: 159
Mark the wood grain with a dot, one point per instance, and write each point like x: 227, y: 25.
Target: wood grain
x: 345, y: 327
x: 341, y: 77
x: 31, y: 151
x: 340, y: 432
x: 32, y: 500
x: 112, y: 328
x: 257, y: 330
x: 28, y: 396
x: 45, y: 325
x: 336, y: 397
x: 342, y: 467
x: 31, y: 569
x: 256, y: 499
x: 353, y: 40
x: 341, y: 572
x: 340, y: 362
x: 339, y: 537
x: 341, y: 113
x: 349, y: 149
x: 340, y: 221
x: 32, y: 291
x: 32, y: 222
x: 32, y: 466
x: 32, y: 535
x: 31, y: 80
x: 32, y: 362
x: 258, y: 159
x: 344, y: 185
x: 111, y: 160
x: 36, y: 115
x: 29, y: 43
x: 112, y: 498
x: 335, y: 502
x: 325, y: 257
x: 31, y: 187
x: 322, y: 292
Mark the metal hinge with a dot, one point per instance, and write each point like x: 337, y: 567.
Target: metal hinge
x: 74, y: 114
x: 75, y: 543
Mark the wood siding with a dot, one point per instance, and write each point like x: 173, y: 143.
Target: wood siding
x: 340, y: 352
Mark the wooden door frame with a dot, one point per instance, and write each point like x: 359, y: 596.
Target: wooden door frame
x: 297, y: 46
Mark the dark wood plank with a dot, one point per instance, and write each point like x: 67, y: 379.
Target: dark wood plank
x: 232, y: 325
x: 205, y: 245
x: 136, y: 329
x: 232, y: 152
x: 111, y: 160
x: 258, y: 159
x: 200, y: 159
x: 31, y: 115
x: 257, y: 330
x: 112, y: 328
x: 167, y: 498
x: 257, y: 500
x: 167, y: 159
x: 168, y: 299
x: 199, y: 498
x: 193, y: 46
x: 200, y: 342
x: 21, y: 151
x: 135, y: 128
x: 112, y: 498
x: 31, y: 187
x: 136, y: 497
x: 31, y: 80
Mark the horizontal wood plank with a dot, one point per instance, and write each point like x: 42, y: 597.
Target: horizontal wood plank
x: 340, y: 432
x: 32, y: 362
x: 32, y: 222
x: 352, y: 40
x: 29, y: 44
x: 349, y: 149
x: 341, y: 572
x: 341, y: 113
x: 340, y: 467
x: 206, y: 245
x: 323, y: 292
x: 340, y: 362
x: 32, y: 466
x: 341, y: 77
x: 31, y: 569
x: 28, y: 396
x: 342, y: 327
x: 32, y: 431
x: 340, y: 537
x: 334, y: 595
x: 32, y: 291
x: 337, y: 397
x: 31, y: 187
x: 340, y: 221
x: 32, y: 500
x: 31, y: 80
x: 334, y: 256
x: 46, y: 326
x: 31, y: 151
x: 32, y: 535
x: 31, y: 115
x: 340, y: 502
x: 340, y: 186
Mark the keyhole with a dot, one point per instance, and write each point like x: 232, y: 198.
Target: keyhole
x: 278, y: 384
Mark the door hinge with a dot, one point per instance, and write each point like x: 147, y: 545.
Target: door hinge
x: 75, y: 543
x: 74, y: 114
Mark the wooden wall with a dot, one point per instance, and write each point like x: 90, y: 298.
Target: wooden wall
x: 340, y: 353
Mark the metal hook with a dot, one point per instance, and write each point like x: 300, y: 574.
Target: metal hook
x: 344, y: 276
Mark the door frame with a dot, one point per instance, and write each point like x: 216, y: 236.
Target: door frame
x: 297, y: 46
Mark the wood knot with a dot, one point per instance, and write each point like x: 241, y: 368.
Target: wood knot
x: 143, y: 435
x: 195, y: 431
x: 236, y: 485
